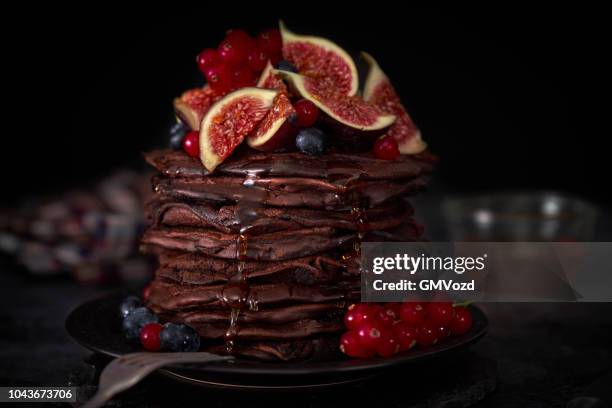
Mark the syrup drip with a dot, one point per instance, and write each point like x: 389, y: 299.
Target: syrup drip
x: 232, y: 330
x: 236, y: 293
x: 357, y: 205
x: 358, y: 213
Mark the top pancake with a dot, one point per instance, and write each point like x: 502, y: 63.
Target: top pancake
x: 331, y: 166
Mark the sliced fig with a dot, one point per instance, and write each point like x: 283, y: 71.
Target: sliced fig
x: 271, y: 80
x: 320, y: 58
x: 275, y: 131
x: 193, y: 104
x: 349, y: 115
x: 379, y: 91
x: 229, y: 120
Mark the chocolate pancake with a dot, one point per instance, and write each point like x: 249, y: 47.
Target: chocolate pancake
x: 193, y: 269
x: 297, y: 329
x: 229, y: 218
x: 338, y: 167
x: 273, y: 246
x: 285, y: 192
x: 292, y: 321
x: 270, y: 316
x: 170, y: 297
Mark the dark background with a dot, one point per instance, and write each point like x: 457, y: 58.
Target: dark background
x: 495, y: 91
x: 490, y: 87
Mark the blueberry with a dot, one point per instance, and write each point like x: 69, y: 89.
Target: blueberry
x: 177, y: 133
x: 179, y: 337
x: 311, y: 141
x: 128, y: 305
x: 136, y: 320
x: 286, y: 66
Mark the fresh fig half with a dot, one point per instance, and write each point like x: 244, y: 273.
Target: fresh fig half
x: 379, y: 91
x: 350, y: 116
x: 275, y: 131
x: 193, y: 104
x: 229, y: 120
x: 271, y: 80
x: 320, y: 58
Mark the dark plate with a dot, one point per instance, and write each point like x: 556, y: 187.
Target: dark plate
x: 96, y: 325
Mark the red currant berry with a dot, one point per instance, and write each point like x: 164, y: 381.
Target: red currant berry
x: 207, y: 58
x: 242, y: 76
x: 219, y: 77
x: 369, y: 334
x: 191, y: 143
x: 270, y: 41
x: 412, y: 313
x: 386, y: 148
x: 440, y: 313
x: 406, y: 335
x: 239, y: 35
x: 388, y: 345
x: 351, y: 346
x: 307, y: 113
x: 393, y: 310
x: 146, y: 292
x: 462, y: 321
x: 233, y: 50
x: 257, y: 59
x: 149, y: 336
x: 357, y: 314
x: 385, y: 316
x: 427, y: 335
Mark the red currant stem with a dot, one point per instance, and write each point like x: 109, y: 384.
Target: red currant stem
x: 463, y: 304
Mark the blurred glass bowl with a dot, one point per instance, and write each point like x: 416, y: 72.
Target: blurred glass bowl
x: 521, y: 216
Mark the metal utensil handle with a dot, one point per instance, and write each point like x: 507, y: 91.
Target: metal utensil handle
x: 112, y: 382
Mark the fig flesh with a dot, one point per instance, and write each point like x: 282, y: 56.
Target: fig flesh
x: 320, y: 58
x: 230, y: 120
x: 349, y: 116
x: 193, y: 104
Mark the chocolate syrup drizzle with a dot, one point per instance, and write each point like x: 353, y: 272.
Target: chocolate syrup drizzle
x: 237, y: 293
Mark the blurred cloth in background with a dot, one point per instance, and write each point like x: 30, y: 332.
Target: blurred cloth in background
x: 91, y: 234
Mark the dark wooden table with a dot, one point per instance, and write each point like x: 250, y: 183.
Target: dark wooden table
x: 534, y: 355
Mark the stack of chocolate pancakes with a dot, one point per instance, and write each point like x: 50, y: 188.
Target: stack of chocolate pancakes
x: 261, y: 257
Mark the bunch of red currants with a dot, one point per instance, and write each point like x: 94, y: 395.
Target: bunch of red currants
x: 239, y: 59
x: 390, y: 328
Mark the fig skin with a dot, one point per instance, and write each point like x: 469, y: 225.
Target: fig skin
x: 404, y: 131
x: 357, y: 139
x: 186, y: 115
x: 282, y: 140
